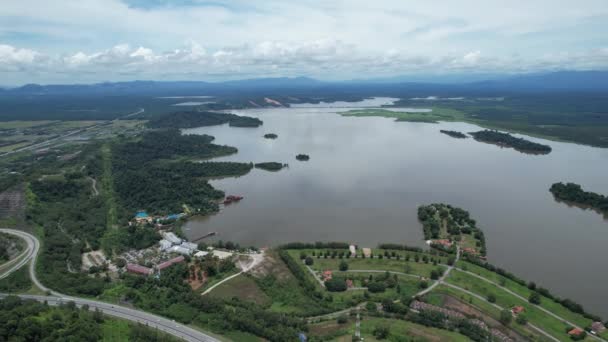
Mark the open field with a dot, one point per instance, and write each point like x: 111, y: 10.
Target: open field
x: 242, y: 287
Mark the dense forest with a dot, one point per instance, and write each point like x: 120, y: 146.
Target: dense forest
x: 192, y: 119
x: 150, y: 173
x: 28, y: 320
x: 574, y: 193
x: 454, y: 134
x: 507, y: 140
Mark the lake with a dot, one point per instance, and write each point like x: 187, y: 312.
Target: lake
x: 367, y: 176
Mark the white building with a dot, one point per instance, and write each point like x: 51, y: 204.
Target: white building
x: 169, y: 236
x: 352, y: 249
x: 190, y: 245
x: 164, y: 244
x: 180, y: 250
x: 221, y: 254
x: 200, y: 254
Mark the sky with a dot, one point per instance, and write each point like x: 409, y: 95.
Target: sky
x: 84, y: 41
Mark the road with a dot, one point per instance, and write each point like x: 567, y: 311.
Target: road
x: 442, y: 278
x: 55, y: 298
x: 52, y: 140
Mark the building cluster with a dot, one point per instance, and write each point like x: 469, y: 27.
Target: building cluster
x: 173, y: 244
x: 142, y: 217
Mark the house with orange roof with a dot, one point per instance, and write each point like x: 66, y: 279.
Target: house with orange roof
x: 516, y: 310
x: 576, y: 332
x: 327, y: 275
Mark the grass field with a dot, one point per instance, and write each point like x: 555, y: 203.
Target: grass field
x: 23, y: 124
x: 435, y: 115
x: 407, y: 331
x: 412, y: 267
x: 242, y: 287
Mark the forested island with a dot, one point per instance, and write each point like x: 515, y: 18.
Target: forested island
x: 270, y: 166
x: 445, y: 226
x: 574, y: 193
x: 507, y: 140
x: 270, y: 136
x: 302, y: 157
x: 454, y: 134
x: 191, y: 119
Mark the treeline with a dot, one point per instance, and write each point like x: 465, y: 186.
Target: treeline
x: 170, y: 297
x: 398, y: 247
x: 439, y: 320
x: 454, y: 134
x: 190, y: 119
x: 315, y: 245
x: 29, y: 320
x: 568, y: 303
x: 574, y: 193
x: 507, y: 140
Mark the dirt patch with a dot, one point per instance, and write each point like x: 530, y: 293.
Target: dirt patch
x: 197, y: 278
x: 271, y: 265
x: 326, y: 328
x: 452, y: 303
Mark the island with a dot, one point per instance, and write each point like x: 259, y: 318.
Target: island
x: 573, y: 193
x: 454, y: 134
x: 191, y: 119
x: 507, y: 140
x: 270, y: 166
x: 270, y: 136
x: 446, y: 227
x: 302, y: 157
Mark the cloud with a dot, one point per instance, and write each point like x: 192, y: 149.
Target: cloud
x: 325, y: 59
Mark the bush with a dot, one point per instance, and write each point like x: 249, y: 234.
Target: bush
x: 505, y: 316
x: 491, y: 298
x: 343, y: 266
x: 376, y: 287
x: 521, y: 319
x: 342, y: 319
x: 534, y: 298
x: 335, y: 285
x: 309, y: 261
x: 381, y: 332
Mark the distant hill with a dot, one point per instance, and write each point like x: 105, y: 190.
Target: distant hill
x: 553, y: 81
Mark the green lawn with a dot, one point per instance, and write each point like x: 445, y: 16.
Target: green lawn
x: 523, y: 291
x: 407, y: 331
x: 115, y: 330
x: 416, y: 268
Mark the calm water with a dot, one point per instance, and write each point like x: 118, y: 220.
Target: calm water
x: 367, y: 176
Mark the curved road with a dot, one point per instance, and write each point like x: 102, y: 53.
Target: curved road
x: 168, y: 326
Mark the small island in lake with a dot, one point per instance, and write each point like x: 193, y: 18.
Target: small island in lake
x: 573, y: 193
x: 446, y: 227
x: 507, y: 140
x: 270, y: 136
x: 302, y: 157
x: 270, y: 166
x: 454, y: 134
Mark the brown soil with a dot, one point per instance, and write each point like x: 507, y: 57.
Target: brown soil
x: 272, y: 264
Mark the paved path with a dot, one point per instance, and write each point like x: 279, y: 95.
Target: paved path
x: 526, y: 300
x: 55, y: 298
x: 442, y: 278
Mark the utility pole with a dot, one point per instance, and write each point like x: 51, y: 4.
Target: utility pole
x: 358, y: 326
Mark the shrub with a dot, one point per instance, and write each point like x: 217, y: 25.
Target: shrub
x: 381, y: 332
x: 491, y: 298
x: 343, y: 266
x: 534, y: 298
x: 376, y: 287
x: 309, y: 261
x: 335, y: 285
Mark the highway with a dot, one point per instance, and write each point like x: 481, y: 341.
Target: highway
x: 55, y: 298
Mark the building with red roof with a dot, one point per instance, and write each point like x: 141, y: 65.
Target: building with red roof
x: 170, y: 262
x: 516, y: 310
x: 575, y: 332
x: 138, y: 269
x: 327, y: 275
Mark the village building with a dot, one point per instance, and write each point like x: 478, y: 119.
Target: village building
x: 353, y: 250
x: 576, y: 332
x: 142, y: 217
x: 516, y: 310
x: 168, y: 263
x: 189, y: 245
x: 180, y: 250
x: 164, y: 244
x: 221, y: 254
x: 327, y: 275
x: 367, y: 252
x: 200, y: 254
x: 138, y: 269
x: 598, y: 327
x: 442, y: 242
x: 171, y: 237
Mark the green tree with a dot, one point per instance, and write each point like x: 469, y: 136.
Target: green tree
x: 534, y: 298
x: 309, y: 261
x: 491, y: 298
x: 506, y: 317
x: 343, y: 266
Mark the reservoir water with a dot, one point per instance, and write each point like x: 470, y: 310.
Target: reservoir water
x: 367, y: 176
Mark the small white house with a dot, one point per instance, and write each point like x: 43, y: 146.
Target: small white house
x: 352, y: 249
